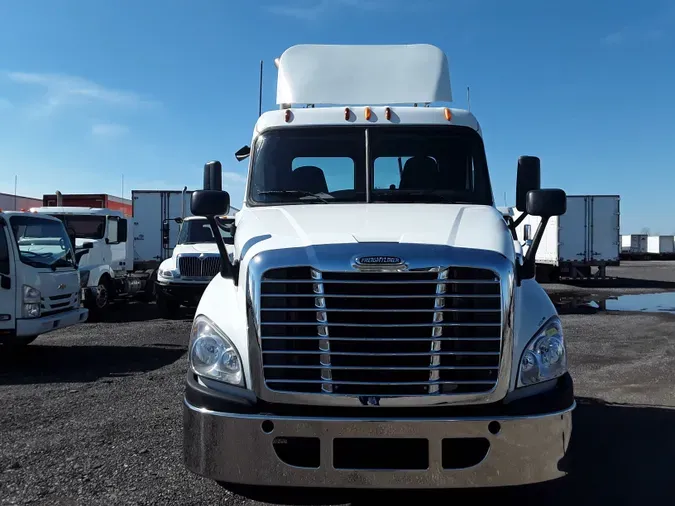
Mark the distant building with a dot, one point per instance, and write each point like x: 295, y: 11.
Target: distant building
x: 10, y: 202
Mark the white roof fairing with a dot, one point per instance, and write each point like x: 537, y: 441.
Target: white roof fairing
x: 363, y: 75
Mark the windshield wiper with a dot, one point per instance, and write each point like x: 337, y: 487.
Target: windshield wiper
x: 316, y: 196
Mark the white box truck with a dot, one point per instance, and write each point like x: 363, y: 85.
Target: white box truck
x: 586, y: 236
x: 634, y: 245
x: 39, y: 280
x: 660, y: 246
x: 378, y: 325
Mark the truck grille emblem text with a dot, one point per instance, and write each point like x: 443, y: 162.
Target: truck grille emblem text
x: 378, y: 260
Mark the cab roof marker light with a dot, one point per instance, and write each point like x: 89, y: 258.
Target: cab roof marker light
x: 387, y: 113
x: 448, y: 114
x: 287, y: 115
x: 347, y: 113
x: 368, y: 113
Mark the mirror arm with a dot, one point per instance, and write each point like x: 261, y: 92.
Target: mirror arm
x: 228, y: 270
x: 514, y: 224
x: 528, y: 268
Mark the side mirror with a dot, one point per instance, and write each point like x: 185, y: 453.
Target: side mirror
x: 88, y: 245
x: 528, y: 179
x: 546, y: 203
x: 209, y: 203
x: 122, y: 231
x: 243, y: 153
x: 165, y: 234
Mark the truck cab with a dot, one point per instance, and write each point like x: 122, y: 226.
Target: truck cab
x: 39, y: 279
x: 104, y: 249
x: 377, y: 325
x: 183, y: 277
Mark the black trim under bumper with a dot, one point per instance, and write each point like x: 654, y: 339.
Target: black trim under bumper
x: 559, y: 397
x: 181, y: 292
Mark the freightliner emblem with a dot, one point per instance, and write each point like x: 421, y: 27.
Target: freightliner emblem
x: 379, y: 260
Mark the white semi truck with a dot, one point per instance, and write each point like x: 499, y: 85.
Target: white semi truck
x: 39, y: 280
x: 378, y: 325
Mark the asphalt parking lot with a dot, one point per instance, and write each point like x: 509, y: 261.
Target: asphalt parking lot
x: 92, y: 414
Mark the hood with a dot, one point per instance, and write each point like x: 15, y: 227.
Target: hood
x: 207, y: 247
x: 461, y: 226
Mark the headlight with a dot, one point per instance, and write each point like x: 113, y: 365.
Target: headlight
x: 545, y: 357
x: 169, y: 273
x: 31, y: 295
x: 31, y: 310
x: 213, y: 355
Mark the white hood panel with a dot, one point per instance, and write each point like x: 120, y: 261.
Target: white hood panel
x: 461, y: 226
x: 208, y: 247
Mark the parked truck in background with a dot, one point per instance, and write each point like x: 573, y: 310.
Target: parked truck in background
x: 39, y: 280
x: 377, y: 325
x: 119, y: 258
x: 183, y: 277
x: 585, y: 237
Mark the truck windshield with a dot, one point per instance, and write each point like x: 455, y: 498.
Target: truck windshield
x: 194, y: 232
x: 42, y: 242
x: 83, y: 226
x: 426, y: 164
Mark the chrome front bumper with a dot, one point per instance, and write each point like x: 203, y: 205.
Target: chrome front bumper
x: 238, y: 448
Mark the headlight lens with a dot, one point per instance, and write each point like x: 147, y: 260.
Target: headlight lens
x: 545, y: 357
x: 31, y: 310
x: 31, y: 295
x: 169, y: 273
x: 213, y: 355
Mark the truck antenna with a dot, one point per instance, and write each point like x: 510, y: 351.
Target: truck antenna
x: 260, y: 90
x: 468, y: 98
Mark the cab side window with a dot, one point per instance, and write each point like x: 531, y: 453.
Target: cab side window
x: 4, y: 251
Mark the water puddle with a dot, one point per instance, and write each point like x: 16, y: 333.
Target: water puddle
x: 646, y: 303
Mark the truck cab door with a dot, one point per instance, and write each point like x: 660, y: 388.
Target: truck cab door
x: 8, y: 286
x: 116, y: 238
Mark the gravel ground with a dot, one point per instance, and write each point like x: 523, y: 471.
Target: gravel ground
x: 92, y: 415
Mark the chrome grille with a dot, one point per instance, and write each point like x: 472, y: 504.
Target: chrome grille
x: 381, y: 334
x: 199, y: 267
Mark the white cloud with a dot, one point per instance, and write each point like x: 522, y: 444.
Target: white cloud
x: 5, y: 104
x: 108, y: 130
x: 63, y: 90
x: 234, y: 177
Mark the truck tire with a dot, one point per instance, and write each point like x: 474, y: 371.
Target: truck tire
x: 168, y: 308
x: 149, y: 293
x: 99, y: 305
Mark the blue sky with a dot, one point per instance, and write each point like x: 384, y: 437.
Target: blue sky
x: 91, y: 90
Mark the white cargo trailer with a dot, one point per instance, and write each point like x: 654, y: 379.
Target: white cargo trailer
x: 634, y: 245
x: 586, y: 236
x: 660, y: 245
x: 155, y: 224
